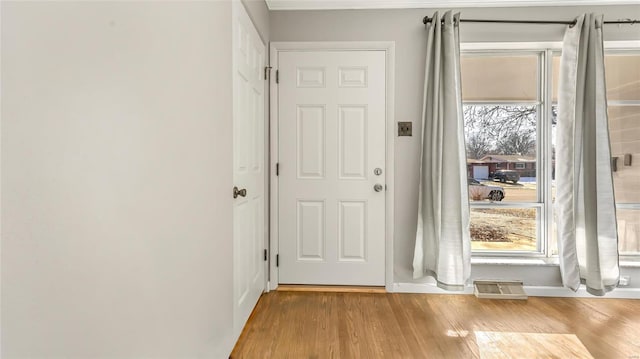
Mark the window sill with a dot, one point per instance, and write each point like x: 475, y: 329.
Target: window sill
x: 630, y: 263
x: 542, y: 262
x: 515, y: 261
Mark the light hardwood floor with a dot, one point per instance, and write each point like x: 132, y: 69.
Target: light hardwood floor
x: 371, y: 325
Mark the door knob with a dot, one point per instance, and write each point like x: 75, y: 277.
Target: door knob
x: 377, y: 187
x: 239, y: 192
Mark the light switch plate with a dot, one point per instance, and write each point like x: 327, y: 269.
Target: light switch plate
x: 404, y: 128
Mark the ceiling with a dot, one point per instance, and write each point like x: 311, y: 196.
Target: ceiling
x: 431, y: 4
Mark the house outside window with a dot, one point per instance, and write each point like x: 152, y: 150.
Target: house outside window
x: 509, y: 100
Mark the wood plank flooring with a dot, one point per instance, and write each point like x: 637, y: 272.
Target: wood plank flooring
x: 372, y: 325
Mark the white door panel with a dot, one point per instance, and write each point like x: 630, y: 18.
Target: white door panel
x: 248, y: 166
x: 331, y: 139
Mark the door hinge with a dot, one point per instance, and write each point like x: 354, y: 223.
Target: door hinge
x: 277, y: 76
x: 277, y: 260
x: 278, y: 169
x: 265, y: 255
x: 267, y: 70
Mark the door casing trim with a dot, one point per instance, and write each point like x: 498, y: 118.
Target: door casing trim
x: 389, y: 48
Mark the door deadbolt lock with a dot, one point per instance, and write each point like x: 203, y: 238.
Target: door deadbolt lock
x: 377, y: 187
x: 377, y: 171
x: 239, y: 192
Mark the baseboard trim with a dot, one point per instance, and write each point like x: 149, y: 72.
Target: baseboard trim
x: 532, y: 291
x: 427, y: 288
x: 329, y: 288
x: 618, y: 293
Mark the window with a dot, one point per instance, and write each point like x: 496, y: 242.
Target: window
x: 504, y: 114
x: 509, y: 98
x: 622, y: 68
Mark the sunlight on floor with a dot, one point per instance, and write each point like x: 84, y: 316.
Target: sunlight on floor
x: 457, y: 333
x: 518, y: 345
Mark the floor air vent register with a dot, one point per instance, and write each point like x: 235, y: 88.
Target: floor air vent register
x: 493, y: 289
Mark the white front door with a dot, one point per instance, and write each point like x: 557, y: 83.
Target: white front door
x: 248, y: 166
x: 332, y: 167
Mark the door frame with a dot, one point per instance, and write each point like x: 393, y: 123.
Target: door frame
x: 389, y: 48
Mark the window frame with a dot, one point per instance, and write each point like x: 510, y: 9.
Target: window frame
x: 544, y: 164
x: 517, y: 49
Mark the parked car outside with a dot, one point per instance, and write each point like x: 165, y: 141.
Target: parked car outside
x: 494, y: 193
x: 506, y: 175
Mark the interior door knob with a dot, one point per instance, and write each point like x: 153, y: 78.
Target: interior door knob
x: 239, y: 192
x: 377, y: 187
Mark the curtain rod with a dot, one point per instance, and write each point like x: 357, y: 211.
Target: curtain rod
x: 428, y: 19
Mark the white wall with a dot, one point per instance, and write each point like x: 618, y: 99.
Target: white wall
x: 406, y: 29
x: 116, y: 171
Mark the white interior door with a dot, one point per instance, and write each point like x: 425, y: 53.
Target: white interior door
x: 248, y: 166
x: 332, y: 155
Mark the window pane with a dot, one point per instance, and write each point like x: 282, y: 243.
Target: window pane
x: 504, y: 229
x: 554, y: 123
x: 623, y: 77
x: 622, y: 74
x: 629, y: 231
x: 553, y: 241
x: 555, y: 75
x: 624, y: 130
x: 501, y: 151
x: 499, y: 78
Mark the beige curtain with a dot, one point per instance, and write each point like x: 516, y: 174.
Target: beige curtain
x: 586, y: 215
x: 443, y: 245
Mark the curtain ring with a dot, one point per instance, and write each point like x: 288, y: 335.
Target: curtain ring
x: 598, y: 21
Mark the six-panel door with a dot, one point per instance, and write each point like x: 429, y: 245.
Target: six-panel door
x: 248, y: 166
x: 331, y: 141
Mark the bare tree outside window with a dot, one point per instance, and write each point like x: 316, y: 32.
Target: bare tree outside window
x: 500, y: 129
